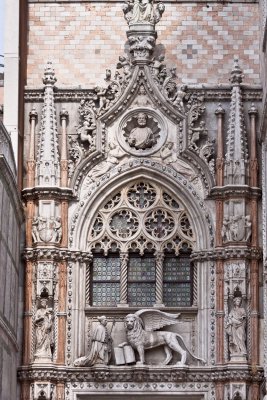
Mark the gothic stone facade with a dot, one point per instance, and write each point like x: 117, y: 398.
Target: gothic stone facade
x: 143, y: 252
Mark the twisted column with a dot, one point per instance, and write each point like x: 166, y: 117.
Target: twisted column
x: 253, y: 147
x: 159, y: 278
x: 64, y: 115
x: 124, y: 257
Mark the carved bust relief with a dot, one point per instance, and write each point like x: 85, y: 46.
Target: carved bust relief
x: 142, y: 132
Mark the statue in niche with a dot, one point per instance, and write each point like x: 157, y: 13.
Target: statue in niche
x: 236, y: 328
x: 43, y: 330
x: 141, y: 137
x: 101, y: 346
x: 142, y: 334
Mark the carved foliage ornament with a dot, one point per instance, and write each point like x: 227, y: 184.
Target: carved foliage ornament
x: 142, y: 12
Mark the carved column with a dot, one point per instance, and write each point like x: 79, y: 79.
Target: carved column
x: 254, y: 222
x: 31, y: 161
x: 254, y: 287
x: 64, y: 222
x: 255, y: 391
x: 30, y: 208
x: 220, y: 311
x: 219, y: 160
x: 25, y: 393
x: 62, y: 293
x: 253, y: 147
x: 60, y: 391
x: 219, y: 391
x: 124, y: 278
x: 159, y: 279
x: 64, y: 115
x: 28, y: 313
x: 219, y: 222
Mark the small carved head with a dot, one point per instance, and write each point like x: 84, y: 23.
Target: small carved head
x: 237, y: 301
x: 129, y: 322
x: 102, y: 320
x: 141, y: 119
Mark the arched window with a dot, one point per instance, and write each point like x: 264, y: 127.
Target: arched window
x: 141, y: 241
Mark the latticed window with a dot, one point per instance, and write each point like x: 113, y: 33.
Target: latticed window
x: 141, y: 240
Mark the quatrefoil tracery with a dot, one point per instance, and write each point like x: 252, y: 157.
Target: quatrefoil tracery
x: 141, y: 215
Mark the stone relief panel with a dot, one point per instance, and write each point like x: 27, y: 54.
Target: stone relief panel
x: 125, y: 340
x: 43, y: 332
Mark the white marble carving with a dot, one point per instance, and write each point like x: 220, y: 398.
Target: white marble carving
x: 236, y: 228
x: 46, y: 229
x: 236, y: 330
x: 101, y: 345
x: 43, y: 331
x: 142, y: 334
x: 142, y: 12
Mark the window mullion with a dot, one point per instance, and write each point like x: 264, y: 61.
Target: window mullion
x: 124, y: 257
x: 159, y: 278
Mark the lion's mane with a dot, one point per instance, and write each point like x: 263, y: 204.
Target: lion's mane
x: 135, y: 336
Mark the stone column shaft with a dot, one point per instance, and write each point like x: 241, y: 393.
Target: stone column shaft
x: 219, y: 222
x: 62, y: 293
x: 64, y: 222
x: 30, y: 208
x: 253, y: 147
x: 254, y: 222
x: 255, y: 391
x: 220, y: 156
x: 28, y: 313
x: 219, y: 391
x: 60, y: 390
x: 31, y: 160
x: 254, y: 287
x: 64, y: 157
x: 220, y: 312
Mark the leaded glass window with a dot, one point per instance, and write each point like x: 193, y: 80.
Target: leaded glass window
x: 105, y: 280
x: 141, y: 280
x: 177, y: 280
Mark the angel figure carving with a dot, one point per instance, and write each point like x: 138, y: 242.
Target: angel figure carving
x: 142, y: 334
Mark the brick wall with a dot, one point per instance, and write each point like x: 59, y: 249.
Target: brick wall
x: 200, y: 39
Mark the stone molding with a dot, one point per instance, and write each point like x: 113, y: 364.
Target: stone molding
x: 52, y: 253
x: 226, y: 253
x: 141, y: 374
x: 237, y: 191
x: 55, y: 193
x: 36, y: 95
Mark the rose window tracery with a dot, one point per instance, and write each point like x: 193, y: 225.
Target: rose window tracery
x: 123, y: 224
x: 148, y: 232
x: 141, y: 195
x: 159, y: 223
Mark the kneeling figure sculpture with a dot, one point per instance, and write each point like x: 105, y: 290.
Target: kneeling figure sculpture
x: 142, y: 334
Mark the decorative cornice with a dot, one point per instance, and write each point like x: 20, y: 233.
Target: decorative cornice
x: 141, y: 374
x: 53, y: 253
x: 226, y: 253
x: 236, y: 191
x: 75, y: 95
x: 48, y: 192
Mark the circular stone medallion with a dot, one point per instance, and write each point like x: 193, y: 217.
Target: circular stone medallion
x: 142, y: 132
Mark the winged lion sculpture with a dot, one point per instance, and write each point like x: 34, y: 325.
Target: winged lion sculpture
x: 142, y: 334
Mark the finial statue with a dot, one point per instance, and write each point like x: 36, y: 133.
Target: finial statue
x: 142, y: 12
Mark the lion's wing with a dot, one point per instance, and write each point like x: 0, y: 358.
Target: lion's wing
x: 156, y: 319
